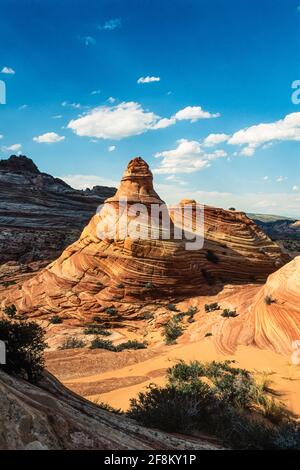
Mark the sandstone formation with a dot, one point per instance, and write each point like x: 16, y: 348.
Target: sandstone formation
x: 48, y: 417
x: 40, y: 215
x: 105, y: 267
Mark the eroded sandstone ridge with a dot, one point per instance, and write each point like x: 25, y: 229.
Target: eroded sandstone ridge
x: 40, y: 215
x: 48, y: 417
x: 103, y: 267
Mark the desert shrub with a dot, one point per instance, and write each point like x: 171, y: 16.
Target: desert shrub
x: 111, y: 311
x: 107, y: 407
x: 120, y: 286
x: 99, y: 343
x: 212, y: 257
x: 172, y: 308
x: 192, y: 310
x: 172, y: 331
x: 97, y: 319
x: 10, y: 311
x: 220, y: 399
x: 147, y: 315
x: 8, y: 283
x: 72, y: 343
x: 269, y: 300
x: 227, y: 313
x: 25, y: 345
x: 232, y: 209
x: 207, y: 335
x: 131, y: 344
x: 96, y: 330
x: 212, y: 307
x: 55, y: 320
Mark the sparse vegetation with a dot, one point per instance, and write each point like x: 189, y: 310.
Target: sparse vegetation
x: 96, y: 330
x: 97, y: 319
x: 207, y: 335
x: 8, y: 283
x: 111, y: 311
x: 120, y: 286
x: 211, y: 307
x: 269, y: 300
x: 10, y: 311
x: 72, y: 343
x: 212, y: 257
x: 219, y: 399
x: 227, y: 313
x: 99, y: 343
x: 25, y: 345
x: 147, y: 315
x: 55, y: 320
x: 172, y: 308
x: 149, y: 285
x: 172, y: 331
x: 107, y: 407
x: 192, y: 310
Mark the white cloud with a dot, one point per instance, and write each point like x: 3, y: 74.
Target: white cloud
x: 1, y: 136
x: 24, y: 106
x: 280, y: 179
x: 148, y: 79
x: 111, y: 148
x: 258, y: 135
x: 66, y: 104
x: 193, y: 113
x: 87, y: 181
x: 14, y: 147
x: 110, y: 25
x: 279, y: 203
x: 57, y: 116
x: 296, y: 188
x: 164, y: 122
x: 48, y: 138
x: 8, y: 71
x: 88, y: 40
x: 247, y: 151
x: 187, y: 157
x: 96, y: 92
x: 116, y: 122
x: 265, y: 178
x: 215, y: 139
x: 175, y: 179
x: 111, y: 100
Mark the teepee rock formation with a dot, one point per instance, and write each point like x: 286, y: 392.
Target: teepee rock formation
x: 105, y: 266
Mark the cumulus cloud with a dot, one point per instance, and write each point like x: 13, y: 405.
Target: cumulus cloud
x: 14, y: 148
x: 111, y: 148
x: 148, y: 79
x: 193, y: 113
x: 110, y: 25
x: 8, y: 71
x: 87, y: 181
x: 215, y: 139
x: 164, y: 122
x: 296, y: 188
x: 258, y: 135
x: 280, y: 179
x: 48, y: 138
x: 116, y: 122
x: 187, y: 157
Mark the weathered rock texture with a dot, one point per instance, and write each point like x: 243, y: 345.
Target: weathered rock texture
x: 101, y: 269
x: 51, y: 417
x: 40, y: 215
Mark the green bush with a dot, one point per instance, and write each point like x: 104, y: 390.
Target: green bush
x: 10, y: 311
x: 72, y: 343
x: 219, y: 399
x: 192, y: 310
x: 172, y: 331
x: 131, y: 344
x: 99, y: 343
x: 111, y: 311
x: 8, y: 283
x: 172, y: 308
x: 25, y: 345
x: 107, y: 407
x: 147, y: 315
x: 97, y: 319
x: 212, y: 307
x: 96, y: 330
x: 55, y: 320
x: 227, y: 313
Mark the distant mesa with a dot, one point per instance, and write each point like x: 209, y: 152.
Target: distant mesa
x: 94, y: 272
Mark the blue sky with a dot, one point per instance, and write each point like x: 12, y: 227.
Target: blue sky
x: 212, y: 113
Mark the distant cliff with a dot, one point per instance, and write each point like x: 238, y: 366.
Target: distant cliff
x: 40, y: 215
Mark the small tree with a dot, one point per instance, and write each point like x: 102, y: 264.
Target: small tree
x: 25, y: 345
x: 10, y: 311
